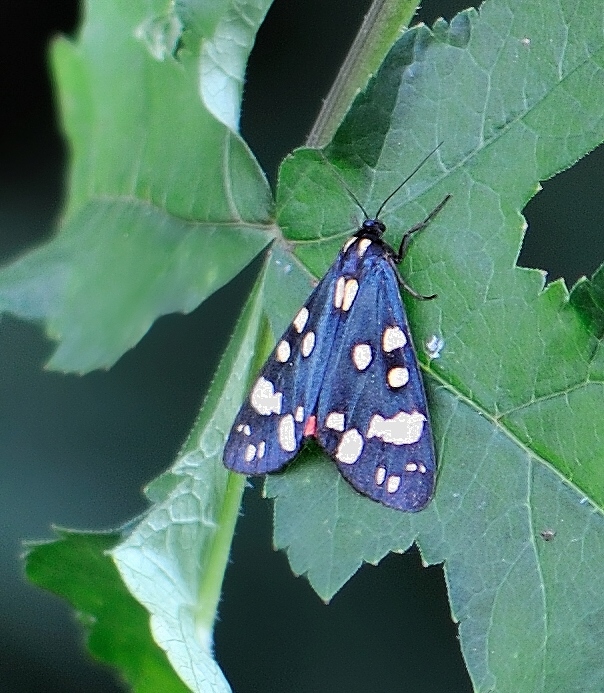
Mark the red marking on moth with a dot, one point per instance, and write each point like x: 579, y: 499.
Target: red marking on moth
x: 310, y: 427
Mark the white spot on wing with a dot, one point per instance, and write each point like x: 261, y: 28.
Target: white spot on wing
x: 401, y: 429
x: 264, y: 399
x: 301, y: 319
x: 247, y: 430
x: 283, y: 351
x: 250, y: 453
x: 350, y: 292
x: 397, y: 377
x: 338, y: 294
x: 299, y: 416
x: 261, y: 449
x: 335, y: 421
x: 364, y: 243
x: 350, y: 447
x: 287, y: 433
x: 411, y: 467
x: 348, y: 243
x: 308, y: 344
x: 380, y: 475
x: 361, y: 356
x: 393, y: 338
x: 393, y: 483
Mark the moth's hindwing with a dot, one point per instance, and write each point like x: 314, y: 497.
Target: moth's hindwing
x: 269, y: 428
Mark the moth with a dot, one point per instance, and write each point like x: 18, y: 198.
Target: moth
x: 345, y: 373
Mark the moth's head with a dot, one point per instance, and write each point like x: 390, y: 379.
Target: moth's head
x: 373, y: 228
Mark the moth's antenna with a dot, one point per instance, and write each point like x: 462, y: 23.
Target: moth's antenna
x: 415, y: 170
x: 349, y: 191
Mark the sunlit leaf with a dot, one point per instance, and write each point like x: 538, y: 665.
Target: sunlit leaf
x: 166, y: 203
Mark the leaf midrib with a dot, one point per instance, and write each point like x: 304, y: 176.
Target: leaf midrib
x: 270, y: 227
x: 497, y: 423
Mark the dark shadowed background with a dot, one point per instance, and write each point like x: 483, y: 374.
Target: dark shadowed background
x: 76, y: 451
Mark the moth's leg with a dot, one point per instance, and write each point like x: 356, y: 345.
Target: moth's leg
x: 406, y: 239
x: 402, y: 283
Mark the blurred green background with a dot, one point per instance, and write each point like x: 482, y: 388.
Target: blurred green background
x: 76, y: 451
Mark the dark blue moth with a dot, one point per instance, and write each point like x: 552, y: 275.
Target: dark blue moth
x: 345, y: 372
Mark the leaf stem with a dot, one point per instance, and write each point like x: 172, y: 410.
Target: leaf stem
x: 381, y: 27
x: 217, y: 558
x: 228, y: 387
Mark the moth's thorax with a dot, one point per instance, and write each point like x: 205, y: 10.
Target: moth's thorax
x: 368, y: 234
x: 373, y: 229
x: 366, y: 242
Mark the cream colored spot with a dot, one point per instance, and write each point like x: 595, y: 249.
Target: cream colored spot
x: 350, y: 292
x: 264, y: 399
x: 348, y: 243
x: 301, y: 319
x: 350, y: 447
x: 411, y: 467
x: 287, y: 433
x: 283, y: 351
x: 308, y: 344
x: 364, y: 243
x: 393, y: 483
x: 335, y: 421
x: 239, y: 428
x: 299, y: 414
x: 338, y: 295
x: 250, y: 453
x: 247, y: 430
x: 401, y: 429
x: 361, y: 356
x: 422, y: 468
x: 393, y: 338
x: 261, y: 449
x: 380, y: 475
x: 397, y: 377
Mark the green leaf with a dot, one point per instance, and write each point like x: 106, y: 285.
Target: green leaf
x: 162, y: 188
x: 515, y: 93
x: 76, y: 566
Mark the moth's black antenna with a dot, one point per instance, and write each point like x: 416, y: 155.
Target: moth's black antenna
x: 349, y: 191
x: 355, y: 199
x: 393, y: 193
